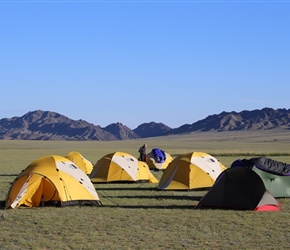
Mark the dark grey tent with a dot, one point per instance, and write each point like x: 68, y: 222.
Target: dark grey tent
x: 238, y: 188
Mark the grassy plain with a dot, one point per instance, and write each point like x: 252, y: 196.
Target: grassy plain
x: 138, y: 216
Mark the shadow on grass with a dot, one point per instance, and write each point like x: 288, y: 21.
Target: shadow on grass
x: 149, y: 188
x: 2, y: 204
x: 8, y: 174
x: 126, y: 188
x: 183, y: 197
x: 150, y: 206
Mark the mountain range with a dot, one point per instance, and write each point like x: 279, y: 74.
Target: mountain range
x: 48, y: 125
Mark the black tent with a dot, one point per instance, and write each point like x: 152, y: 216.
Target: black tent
x: 238, y: 188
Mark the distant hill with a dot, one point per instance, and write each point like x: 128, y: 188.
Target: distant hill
x: 47, y: 125
x: 121, y: 131
x: 151, y: 129
x: 266, y: 118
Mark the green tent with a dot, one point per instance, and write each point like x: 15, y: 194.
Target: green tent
x: 277, y: 185
x: 274, y: 174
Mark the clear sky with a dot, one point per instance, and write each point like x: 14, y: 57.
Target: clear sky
x: 132, y: 62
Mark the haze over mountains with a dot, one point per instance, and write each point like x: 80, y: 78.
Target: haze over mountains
x: 47, y: 125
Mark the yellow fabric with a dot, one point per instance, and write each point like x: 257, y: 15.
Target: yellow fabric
x: 183, y: 174
x: 144, y: 173
x: 120, y: 166
x: 50, y: 178
x: 198, y: 178
x: 80, y: 161
x: 100, y: 172
x: 107, y: 170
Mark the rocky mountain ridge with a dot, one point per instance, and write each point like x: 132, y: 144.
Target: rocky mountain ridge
x: 47, y: 125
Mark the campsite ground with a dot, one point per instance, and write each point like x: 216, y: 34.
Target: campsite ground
x: 138, y: 216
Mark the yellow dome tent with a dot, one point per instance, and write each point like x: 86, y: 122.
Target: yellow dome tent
x: 80, y: 161
x: 51, y: 180
x: 191, y: 171
x: 121, y: 167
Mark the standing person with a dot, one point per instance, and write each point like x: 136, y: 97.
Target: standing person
x: 142, y: 151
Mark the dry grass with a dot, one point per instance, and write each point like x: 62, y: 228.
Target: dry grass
x: 138, y: 216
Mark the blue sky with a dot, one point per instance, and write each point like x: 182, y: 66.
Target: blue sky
x: 174, y: 62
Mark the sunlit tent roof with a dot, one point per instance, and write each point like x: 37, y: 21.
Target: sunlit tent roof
x: 239, y: 188
x: 80, y: 161
x: 51, y: 180
x: 121, y: 167
x: 158, y: 159
x: 191, y: 171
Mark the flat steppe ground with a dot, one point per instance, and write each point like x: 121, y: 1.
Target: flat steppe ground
x: 137, y: 215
